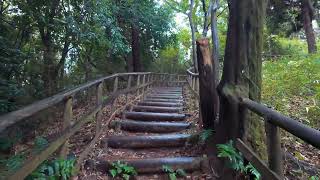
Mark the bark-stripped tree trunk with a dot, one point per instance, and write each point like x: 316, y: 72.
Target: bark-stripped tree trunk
x: 208, y: 93
x: 193, y: 36
x: 135, y: 48
x: 308, y: 14
x: 242, y: 70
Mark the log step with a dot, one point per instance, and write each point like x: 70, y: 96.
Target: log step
x: 164, y: 97
x: 163, y: 100
x: 145, y: 141
x: 149, y: 116
x: 165, y: 94
x: 154, y: 165
x: 162, y: 104
x: 156, y: 109
x: 153, y: 127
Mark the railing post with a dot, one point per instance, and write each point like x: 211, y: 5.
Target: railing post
x: 193, y: 83
x: 67, y: 117
x: 99, y: 102
x: 129, y: 81
x: 197, y: 84
x: 143, y: 83
x: 274, y: 148
x: 115, y: 85
x: 138, y: 84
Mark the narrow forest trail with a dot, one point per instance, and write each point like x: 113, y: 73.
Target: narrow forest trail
x: 156, y: 132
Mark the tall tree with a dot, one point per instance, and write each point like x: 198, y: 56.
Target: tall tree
x: 287, y: 16
x: 308, y: 15
x: 215, y: 38
x: 187, y: 8
x: 193, y: 36
x: 242, y: 68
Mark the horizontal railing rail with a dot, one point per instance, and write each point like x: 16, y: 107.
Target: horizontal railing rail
x: 298, y: 129
x: 144, y: 80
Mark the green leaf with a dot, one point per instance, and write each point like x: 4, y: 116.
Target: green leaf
x: 181, y: 172
x: 126, y: 176
x: 40, y: 143
x: 167, y: 169
x: 113, y: 172
x: 172, y: 176
x: 50, y: 171
x: 314, y: 178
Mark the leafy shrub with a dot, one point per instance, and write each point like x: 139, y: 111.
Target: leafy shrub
x: 173, y: 174
x: 236, y: 161
x: 122, y: 170
x: 56, y: 169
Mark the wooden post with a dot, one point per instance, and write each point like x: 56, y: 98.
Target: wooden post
x: 274, y: 148
x: 208, y: 93
x: 129, y: 82
x: 115, y: 85
x: 143, y: 83
x: 67, y: 117
x: 138, y: 84
x: 99, y: 102
x: 115, y: 88
x: 197, y: 84
x: 148, y: 80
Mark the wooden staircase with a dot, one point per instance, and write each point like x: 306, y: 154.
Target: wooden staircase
x: 153, y: 134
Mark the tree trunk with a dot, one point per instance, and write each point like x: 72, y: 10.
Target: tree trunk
x: 193, y: 37
x: 135, y: 48
x: 206, y: 17
x: 208, y: 94
x: 49, y: 78
x: 215, y: 38
x: 241, y: 72
x: 307, y: 13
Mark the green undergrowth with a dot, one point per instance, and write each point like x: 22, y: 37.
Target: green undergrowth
x: 291, y: 85
x: 122, y: 170
x: 236, y: 160
x: 57, y: 169
x: 173, y: 174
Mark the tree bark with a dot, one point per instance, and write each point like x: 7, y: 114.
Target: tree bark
x: 308, y: 14
x: 193, y: 36
x: 135, y: 48
x: 242, y: 70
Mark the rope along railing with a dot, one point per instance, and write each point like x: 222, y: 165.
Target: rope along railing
x: 144, y: 80
x: 274, y: 120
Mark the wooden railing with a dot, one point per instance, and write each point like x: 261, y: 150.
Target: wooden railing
x: 273, y: 120
x: 193, y: 81
x: 143, y: 81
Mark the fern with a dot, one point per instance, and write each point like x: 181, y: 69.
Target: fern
x: 205, y: 134
x: 55, y: 169
x: 236, y: 161
x: 250, y: 169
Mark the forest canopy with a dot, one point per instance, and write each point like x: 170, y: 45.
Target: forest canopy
x: 48, y: 46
